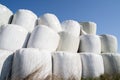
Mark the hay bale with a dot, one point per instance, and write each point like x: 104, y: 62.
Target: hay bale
x: 51, y: 21
x: 31, y: 64
x: 13, y: 37
x: 68, y: 42
x: 66, y: 66
x: 44, y: 38
x: 92, y: 65
x: 25, y: 18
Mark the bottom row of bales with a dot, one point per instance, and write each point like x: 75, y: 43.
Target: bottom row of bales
x: 35, y: 64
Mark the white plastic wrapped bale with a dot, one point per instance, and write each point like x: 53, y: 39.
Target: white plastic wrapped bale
x: 108, y: 43
x: 25, y: 18
x: 44, y: 37
x: 71, y: 26
x: 92, y: 65
x: 66, y: 66
x: 13, y: 37
x: 90, y: 43
x: 68, y: 42
x: 6, y: 58
x: 5, y: 15
x: 51, y: 21
x: 32, y: 64
x: 89, y: 27
x: 111, y: 63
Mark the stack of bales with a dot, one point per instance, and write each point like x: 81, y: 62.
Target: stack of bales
x: 14, y: 36
x: 109, y: 53
x: 5, y: 55
x: 33, y: 48
x: 90, y: 49
x: 99, y: 53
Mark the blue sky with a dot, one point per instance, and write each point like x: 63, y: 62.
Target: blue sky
x: 106, y: 13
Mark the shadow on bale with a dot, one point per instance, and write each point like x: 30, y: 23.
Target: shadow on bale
x: 7, y: 68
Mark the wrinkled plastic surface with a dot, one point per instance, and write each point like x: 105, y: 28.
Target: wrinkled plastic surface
x: 25, y: 18
x: 90, y: 43
x: 31, y: 64
x: 51, y: 21
x: 13, y: 37
x: 92, y: 65
x: 6, y: 58
x: 67, y: 65
x: 68, y: 42
x: 5, y: 15
x: 111, y: 63
x: 89, y: 27
x: 72, y: 27
x: 44, y: 38
x: 108, y: 43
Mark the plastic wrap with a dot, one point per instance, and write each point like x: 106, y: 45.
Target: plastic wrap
x: 6, y: 58
x: 92, y: 65
x: 5, y: 15
x: 108, y: 43
x: 44, y: 38
x: 51, y: 21
x: 66, y: 66
x: 25, y: 18
x: 72, y: 27
x: 89, y: 27
x: 32, y: 64
x: 90, y: 43
x: 68, y: 42
x: 111, y: 63
x: 13, y: 37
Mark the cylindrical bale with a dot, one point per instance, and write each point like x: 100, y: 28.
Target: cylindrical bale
x: 68, y: 42
x: 6, y: 58
x: 25, y: 18
x: 5, y: 15
x: 108, y: 43
x: 32, y: 64
x: 71, y: 26
x: 44, y: 37
x: 66, y: 66
x: 111, y: 63
x: 92, y: 65
x: 51, y: 21
x: 13, y: 37
x: 90, y: 43
x: 89, y: 27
